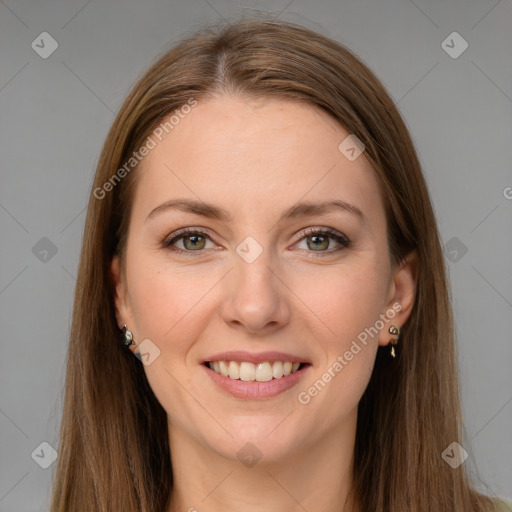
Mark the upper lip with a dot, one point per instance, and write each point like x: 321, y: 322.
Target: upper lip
x: 253, y: 357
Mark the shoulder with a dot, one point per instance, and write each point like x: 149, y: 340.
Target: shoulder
x: 502, y: 506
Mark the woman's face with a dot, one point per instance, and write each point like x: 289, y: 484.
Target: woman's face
x: 254, y: 286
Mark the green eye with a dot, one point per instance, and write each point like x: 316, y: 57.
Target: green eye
x: 193, y: 240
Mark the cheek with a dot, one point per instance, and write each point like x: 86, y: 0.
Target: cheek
x: 169, y: 301
x: 173, y: 301
x: 336, y: 310
x: 343, y: 300
x: 343, y: 315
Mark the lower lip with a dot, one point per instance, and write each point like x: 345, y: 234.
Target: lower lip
x: 255, y: 390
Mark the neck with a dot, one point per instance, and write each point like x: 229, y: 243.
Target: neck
x: 317, y: 476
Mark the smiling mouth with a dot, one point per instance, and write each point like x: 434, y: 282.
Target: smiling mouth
x: 250, y: 372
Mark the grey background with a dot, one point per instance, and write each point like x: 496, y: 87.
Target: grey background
x: 55, y: 114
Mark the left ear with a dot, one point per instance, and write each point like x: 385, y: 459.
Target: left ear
x: 122, y: 309
x: 402, y: 294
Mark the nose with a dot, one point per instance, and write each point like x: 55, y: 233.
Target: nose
x: 257, y: 299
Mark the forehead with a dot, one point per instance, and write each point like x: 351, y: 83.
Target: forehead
x: 251, y: 153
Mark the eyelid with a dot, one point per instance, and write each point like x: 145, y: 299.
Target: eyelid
x: 322, y: 229
x: 181, y: 233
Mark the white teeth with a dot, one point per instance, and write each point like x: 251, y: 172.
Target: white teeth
x: 234, y: 370
x: 277, y: 369
x: 261, y: 372
x: 247, y: 371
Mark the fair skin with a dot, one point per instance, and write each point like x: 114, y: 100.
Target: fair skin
x: 256, y: 159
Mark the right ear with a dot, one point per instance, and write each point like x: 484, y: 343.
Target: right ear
x: 120, y: 293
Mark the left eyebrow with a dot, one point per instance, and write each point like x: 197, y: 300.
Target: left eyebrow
x: 305, y: 209
x: 297, y: 211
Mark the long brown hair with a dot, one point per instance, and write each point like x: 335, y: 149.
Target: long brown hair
x: 114, y: 451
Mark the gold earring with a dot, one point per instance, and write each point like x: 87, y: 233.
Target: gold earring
x: 395, y: 331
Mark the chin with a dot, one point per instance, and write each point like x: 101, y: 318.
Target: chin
x: 257, y: 444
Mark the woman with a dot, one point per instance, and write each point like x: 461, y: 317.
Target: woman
x: 261, y: 235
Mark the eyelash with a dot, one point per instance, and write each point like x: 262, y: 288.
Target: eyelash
x: 330, y: 233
